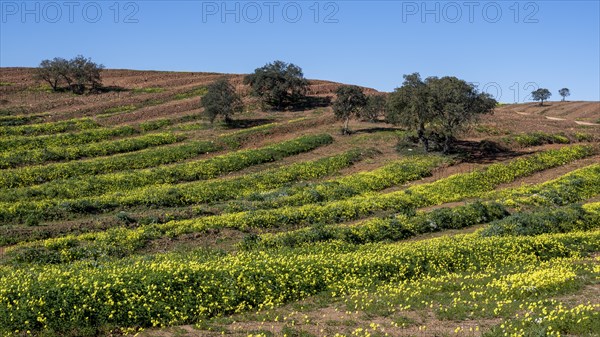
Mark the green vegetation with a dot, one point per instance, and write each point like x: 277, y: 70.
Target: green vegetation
x: 125, y: 181
x: 349, y: 103
x: 79, y: 74
x: 118, y: 109
x: 270, y: 226
x: 47, y: 128
x: 221, y: 100
x: 454, y: 188
x: 130, y: 293
x: 34, y: 175
x: 561, y: 220
x: 536, y: 139
x: 147, y: 90
x: 196, y: 92
x: 15, y: 144
x: 395, y: 228
x: 437, y: 107
x: 123, y: 241
x: 278, y: 84
x: 541, y: 94
x: 395, y: 173
x: 62, y: 152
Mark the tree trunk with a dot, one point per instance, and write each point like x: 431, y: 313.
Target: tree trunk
x: 446, y: 145
x: 345, y: 130
x: 422, y: 138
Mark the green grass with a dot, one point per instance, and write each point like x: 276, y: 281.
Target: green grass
x: 119, y: 109
x: 40, y: 88
x: 197, y: 92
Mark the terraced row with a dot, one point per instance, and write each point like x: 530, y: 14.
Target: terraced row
x: 27, y: 176
x: 49, y: 128
x: 11, y: 144
x: 453, y: 188
x: 21, y: 157
x: 122, y: 241
x: 576, y: 186
x: 181, y: 288
x: 395, y: 173
x: 125, y: 181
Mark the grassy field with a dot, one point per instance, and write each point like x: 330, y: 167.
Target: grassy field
x: 126, y: 213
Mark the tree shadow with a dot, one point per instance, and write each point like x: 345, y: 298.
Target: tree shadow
x: 248, y: 123
x: 376, y: 129
x: 111, y: 88
x: 482, y: 152
x: 310, y: 102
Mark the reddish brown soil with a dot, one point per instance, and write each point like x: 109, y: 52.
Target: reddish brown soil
x: 572, y: 111
x: 24, y: 93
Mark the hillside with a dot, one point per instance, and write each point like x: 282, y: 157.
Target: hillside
x: 126, y: 212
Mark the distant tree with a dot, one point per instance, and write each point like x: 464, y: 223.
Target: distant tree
x: 454, y: 104
x: 564, y: 92
x: 408, y: 106
x: 78, y: 73
x: 221, y: 100
x: 349, y: 103
x: 541, y: 95
x: 375, y: 107
x: 52, y: 72
x: 278, y: 84
x: 83, y: 73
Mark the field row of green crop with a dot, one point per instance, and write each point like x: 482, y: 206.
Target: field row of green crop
x: 199, y: 192
x: 166, y: 195
x: 552, y: 318
x: 27, y: 176
x: 53, y: 250
x: 573, y: 187
x: 20, y: 157
x: 20, y: 178
x: 536, y: 139
x: 518, y: 294
x: 395, y: 173
x: 453, y: 188
x: 235, y: 138
x: 122, y: 241
x: 18, y: 139
x: 49, y: 127
x: 394, y: 228
x: 95, y: 297
x: 9, y: 120
x: 20, y: 143
x: 125, y: 181
x: 581, y: 184
x: 559, y: 220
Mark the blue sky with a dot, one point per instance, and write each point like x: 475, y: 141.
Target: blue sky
x: 510, y: 48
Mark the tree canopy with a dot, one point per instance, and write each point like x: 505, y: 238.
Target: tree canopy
x: 541, y: 95
x: 374, y: 109
x: 278, y: 84
x: 454, y: 104
x: 79, y: 74
x: 437, y: 106
x: 222, y: 100
x: 349, y: 103
x: 408, y: 106
x: 564, y: 92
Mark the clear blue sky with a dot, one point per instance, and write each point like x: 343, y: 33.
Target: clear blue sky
x: 509, y: 47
